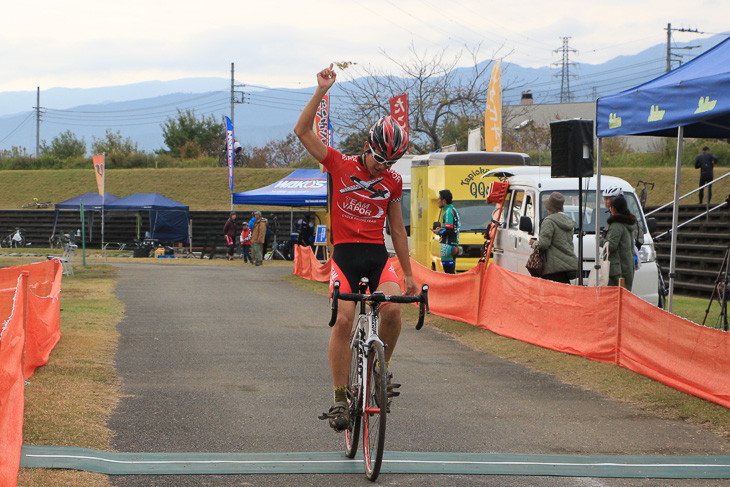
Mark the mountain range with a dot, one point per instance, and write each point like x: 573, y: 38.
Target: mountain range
x: 137, y: 110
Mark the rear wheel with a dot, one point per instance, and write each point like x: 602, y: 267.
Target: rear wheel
x: 374, y: 411
x: 354, y: 398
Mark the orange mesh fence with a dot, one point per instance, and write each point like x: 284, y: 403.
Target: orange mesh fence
x: 453, y: 296
x: 606, y: 324
x: 308, y: 267
x: 689, y: 357
x: 29, y: 329
x: 572, y: 319
x: 12, y: 386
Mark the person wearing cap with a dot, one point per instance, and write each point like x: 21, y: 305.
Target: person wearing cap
x: 229, y: 233
x: 258, y: 234
x: 620, y: 238
x: 556, y: 241
x: 705, y: 162
x: 246, y: 243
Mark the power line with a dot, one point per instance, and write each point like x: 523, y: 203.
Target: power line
x: 18, y: 127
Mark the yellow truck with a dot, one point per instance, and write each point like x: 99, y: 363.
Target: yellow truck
x: 461, y: 173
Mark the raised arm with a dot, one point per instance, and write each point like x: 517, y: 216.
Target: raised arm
x: 304, y: 129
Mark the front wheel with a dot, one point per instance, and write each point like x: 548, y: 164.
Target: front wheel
x: 354, y: 397
x: 375, y: 406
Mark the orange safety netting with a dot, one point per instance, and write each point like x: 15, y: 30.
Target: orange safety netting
x: 606, y: 324
x: 29, y: 329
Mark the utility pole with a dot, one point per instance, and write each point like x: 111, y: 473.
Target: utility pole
x: 37, y: 109
x: 670, y: 48
x: 565, y: 96
x: 234, y: 100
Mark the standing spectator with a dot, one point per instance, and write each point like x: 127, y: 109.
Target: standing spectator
x: 556, y: 239
x: 258, y: 234
x: 705, y: 162
x: 620, y: 238
x: 448, y: 230
x: 246, y: 243
x: 229, y: 232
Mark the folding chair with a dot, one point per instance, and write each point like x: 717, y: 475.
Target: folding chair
x: 69, y: 251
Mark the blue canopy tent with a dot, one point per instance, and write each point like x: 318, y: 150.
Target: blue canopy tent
x: 168, y: 219
x: 303, y: 187
x: 691, y: 101
x: 92, y: 202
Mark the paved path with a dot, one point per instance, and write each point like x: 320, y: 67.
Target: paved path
x: 234, y: 359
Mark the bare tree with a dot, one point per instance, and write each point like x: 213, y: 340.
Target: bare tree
x: 437, y: 92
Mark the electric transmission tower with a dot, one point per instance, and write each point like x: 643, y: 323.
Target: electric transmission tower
x: 564, y: 64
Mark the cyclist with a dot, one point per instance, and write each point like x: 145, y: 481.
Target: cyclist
x: 364, y: 191
x: 609, y: 194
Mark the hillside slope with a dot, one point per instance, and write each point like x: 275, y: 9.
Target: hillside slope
x: 207, y: 188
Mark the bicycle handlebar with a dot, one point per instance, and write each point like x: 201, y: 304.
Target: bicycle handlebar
x: 379, y: 297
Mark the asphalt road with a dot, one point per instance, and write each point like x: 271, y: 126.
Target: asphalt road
x: 234, y: 359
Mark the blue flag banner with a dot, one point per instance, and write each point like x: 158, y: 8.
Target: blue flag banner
x: 229, y: 151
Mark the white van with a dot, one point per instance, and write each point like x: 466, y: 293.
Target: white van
x: 402, y: 167
x: 530, y: 186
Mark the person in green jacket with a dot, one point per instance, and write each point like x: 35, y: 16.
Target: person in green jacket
x: 620, y: 238
x: 556, y: 240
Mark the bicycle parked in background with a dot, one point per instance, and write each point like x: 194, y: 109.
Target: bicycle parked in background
x: 15, y: 239
x: 367, y: 386
x: 642, y: 193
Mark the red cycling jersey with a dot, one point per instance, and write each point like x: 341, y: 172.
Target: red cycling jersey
x: 359, y: 200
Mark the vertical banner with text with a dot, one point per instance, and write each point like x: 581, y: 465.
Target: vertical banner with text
x: 399, y: 109
x: 493, y: 113
x: 229, y: 151
x: 99, y: 170
x: 322, y: 120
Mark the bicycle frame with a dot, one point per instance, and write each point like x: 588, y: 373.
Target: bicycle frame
x: 363, y: 338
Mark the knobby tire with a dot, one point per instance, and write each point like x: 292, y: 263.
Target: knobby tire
x: 354, y: 398
x: 375, y: 403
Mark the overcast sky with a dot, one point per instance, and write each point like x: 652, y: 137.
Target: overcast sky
x: 283, y: 43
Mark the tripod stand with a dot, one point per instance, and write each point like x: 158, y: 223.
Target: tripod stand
x: 722, y: 287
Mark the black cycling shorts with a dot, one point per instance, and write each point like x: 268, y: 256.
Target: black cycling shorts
x: 353, y: 261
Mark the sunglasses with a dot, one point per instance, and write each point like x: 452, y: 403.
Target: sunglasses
x: 380, y: 159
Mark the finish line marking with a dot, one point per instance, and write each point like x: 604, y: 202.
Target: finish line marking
x: 114, y: 463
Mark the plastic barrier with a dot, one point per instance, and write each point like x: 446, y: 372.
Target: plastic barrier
x: 607, y: 324
x: 29, y: 329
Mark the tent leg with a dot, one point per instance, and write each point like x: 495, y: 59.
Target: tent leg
x: 597, y: 222
x: 675, y: 216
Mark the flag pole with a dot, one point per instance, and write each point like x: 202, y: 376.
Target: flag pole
x: 103, y: 201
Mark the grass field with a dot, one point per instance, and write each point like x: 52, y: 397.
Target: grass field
x: 207, y: 188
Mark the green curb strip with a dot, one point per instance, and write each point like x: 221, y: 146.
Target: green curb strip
x: 113, y: 463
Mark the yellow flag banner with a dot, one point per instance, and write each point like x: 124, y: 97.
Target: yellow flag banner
x: 99, y: 170
x: 493, y: 113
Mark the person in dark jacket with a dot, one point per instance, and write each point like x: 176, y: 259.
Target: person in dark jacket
x: 705, y: 162
x: 229, y: 233
x: 556, y: 239
x: 620, y: 238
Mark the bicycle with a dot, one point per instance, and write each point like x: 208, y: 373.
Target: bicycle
x: 15, y: 239
x: 60, y: 240
x: 223, y: 158
x: 367, y: 394
x: 36, y: 203
x: 642, y: 193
